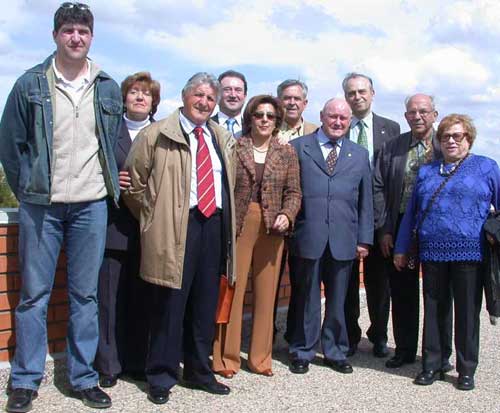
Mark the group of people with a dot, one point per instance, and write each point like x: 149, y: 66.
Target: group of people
x: 192, y: 199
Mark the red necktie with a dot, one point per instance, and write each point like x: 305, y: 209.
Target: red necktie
x: 205, y: 176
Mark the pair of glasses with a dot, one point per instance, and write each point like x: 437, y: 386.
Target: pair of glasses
x: 457, y: 137
x: 423, y: 113
x: 71, y: 4
x: 260, y: 115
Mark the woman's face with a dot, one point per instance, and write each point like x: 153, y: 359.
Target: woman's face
x: 454, y: 143
x: 264, y: 120
x: 138, y: 102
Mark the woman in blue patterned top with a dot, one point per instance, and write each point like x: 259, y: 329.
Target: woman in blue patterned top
x: 451, y: 244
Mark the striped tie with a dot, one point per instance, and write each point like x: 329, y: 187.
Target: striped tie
x: 230, y: 125
x: 205, y: 176
x: 331, y: 159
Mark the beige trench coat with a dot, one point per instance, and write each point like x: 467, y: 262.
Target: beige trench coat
x: 159, y: 164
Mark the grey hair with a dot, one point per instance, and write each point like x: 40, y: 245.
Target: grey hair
x: 354, y: 75
x: 431, y: 98
x: 292, y: 82
x: 202, y: 78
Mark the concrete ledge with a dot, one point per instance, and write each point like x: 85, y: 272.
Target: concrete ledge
x: 9, y: 216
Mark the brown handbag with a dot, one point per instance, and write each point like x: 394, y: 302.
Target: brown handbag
x: 226, y: 295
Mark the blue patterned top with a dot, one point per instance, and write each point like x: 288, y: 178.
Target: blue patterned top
x: 453, y: 226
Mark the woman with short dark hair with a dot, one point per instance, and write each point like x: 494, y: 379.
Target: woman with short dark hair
x: 267, y: 199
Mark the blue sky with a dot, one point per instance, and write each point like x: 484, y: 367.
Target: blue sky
x: 445, y: 48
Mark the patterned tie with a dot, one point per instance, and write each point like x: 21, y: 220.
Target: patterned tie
x: 362, y: 137
x: 230, y: 125
x: 205, y: 176
x: 331, y: 159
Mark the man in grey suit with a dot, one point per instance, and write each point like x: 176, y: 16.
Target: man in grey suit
x: 370, y: 131
x: 333, y: 227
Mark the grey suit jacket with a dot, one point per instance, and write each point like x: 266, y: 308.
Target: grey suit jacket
x: 335, y: 210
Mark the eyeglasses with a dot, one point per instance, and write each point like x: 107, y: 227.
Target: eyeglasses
x: 457, y: 137
x: 260, y: 115
x: 71, y: 4
x: 422, y: 112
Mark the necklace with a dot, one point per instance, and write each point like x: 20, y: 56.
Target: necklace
x: 447, y: 170
x: 260, y: 150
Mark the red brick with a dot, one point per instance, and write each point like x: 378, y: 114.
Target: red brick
x: 58, y: 346
x: 60, y: 312
x: 56, y: 330
x: 9, y: 263
x: 6, y: 354
x: 7, y: 339
x: 6, y: 320
x: 59, y: 296
x: 10, y: 230
x: 7, y: 282
x: 8, y: 300
x: 8, y: 244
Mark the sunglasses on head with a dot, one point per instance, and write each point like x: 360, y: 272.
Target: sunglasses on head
x: 71, y: 4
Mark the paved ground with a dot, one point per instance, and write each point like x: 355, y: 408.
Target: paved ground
x: 371, y: 388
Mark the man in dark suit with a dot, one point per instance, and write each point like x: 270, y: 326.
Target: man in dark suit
x: 234, y: 92
x: 395, y: 171
x: 370, y: 131
x: 333, y: 227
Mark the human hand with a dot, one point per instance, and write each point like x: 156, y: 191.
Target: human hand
x: 124, y: 180
x: 281, y: 224
x: 400, y: 261
x: 361, y: 251
x: 386, y: 245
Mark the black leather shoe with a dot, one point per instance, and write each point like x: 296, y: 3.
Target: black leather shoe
x: 95, y: 398
x: 380, y: 350
x: 427, y: 377
x: 214, y: 387
x: 20, y: 400
x: 342, y: 366
x: 398, y: 361
x: 107, y: 380
x: 465, y: 382
x: 299, y: 366
x: 446, y: 366
x: 352, y: 350
x: 158, y: 395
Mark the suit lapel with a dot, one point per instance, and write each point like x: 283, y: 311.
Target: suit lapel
x: 345, y: 156
x: 273, y: 156
x: 312, y: 149
x: 245, y: 153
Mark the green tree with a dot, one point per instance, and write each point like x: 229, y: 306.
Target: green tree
x: 7, y: 198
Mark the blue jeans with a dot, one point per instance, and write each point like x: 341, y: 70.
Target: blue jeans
x: 42, y: 230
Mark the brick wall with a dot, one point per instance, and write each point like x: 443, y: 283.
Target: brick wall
x: 57, y: 315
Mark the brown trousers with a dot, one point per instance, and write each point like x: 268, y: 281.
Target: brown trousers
x: 262, y: 252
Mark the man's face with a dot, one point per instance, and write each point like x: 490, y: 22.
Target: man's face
x: 335, y: 119
x: 359, y: 94
x: 420, y: 115
x: 233, y: 96
x: 294, y: 103
x: 73, y: 41
x: 199, y: 103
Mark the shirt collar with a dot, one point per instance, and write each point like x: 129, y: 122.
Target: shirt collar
x: 368, y: 120
x: 414, y: 141
x: 325, y: 140
x: 78, y: 82
x: 223, y: 117
x: 189, y: 126
x: 300, y: 130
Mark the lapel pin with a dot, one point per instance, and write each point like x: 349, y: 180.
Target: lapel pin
x: 382, y: 131
x: 349, y: 154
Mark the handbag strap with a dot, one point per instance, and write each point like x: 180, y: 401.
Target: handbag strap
x: 436, y: 193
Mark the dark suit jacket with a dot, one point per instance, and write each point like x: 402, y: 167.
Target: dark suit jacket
x: 280, y: 187
x: 383, y: 131
x: 123, y: 228
x: 388, y: 176
x: 335, y: 209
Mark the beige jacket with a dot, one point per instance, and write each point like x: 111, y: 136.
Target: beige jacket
x: 159, y: 164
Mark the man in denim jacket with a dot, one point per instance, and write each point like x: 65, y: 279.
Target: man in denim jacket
x: 57, y: 134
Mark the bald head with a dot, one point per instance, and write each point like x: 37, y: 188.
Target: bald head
x: 421, y: 115
x: 335, y: 118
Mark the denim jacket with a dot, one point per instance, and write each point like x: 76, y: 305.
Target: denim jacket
x: 26, y: 132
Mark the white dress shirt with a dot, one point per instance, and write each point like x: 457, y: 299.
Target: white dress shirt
x: 188, y: 128
x: 237, y: 125
x: 325, y: 144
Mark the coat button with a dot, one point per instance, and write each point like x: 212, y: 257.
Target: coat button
x: 265, y: 206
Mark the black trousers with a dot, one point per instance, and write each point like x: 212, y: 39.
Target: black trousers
x: 377, y: 297
x: 183, y: 320
x: 123, y: 314
x: 465, y: 281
